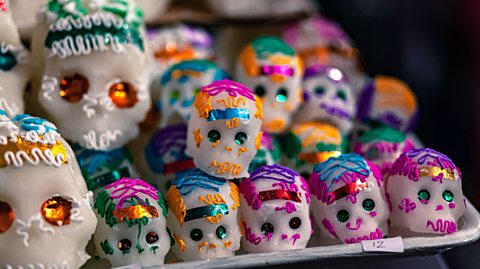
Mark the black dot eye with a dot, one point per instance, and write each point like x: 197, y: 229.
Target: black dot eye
x: 214, y: 136
x: 295, y: 223
x: 368, y: 204
x: 423, y: 195
x: 196, y: 234
x: 221, y: 232
x: 342, y: 94
x: 7, y: 61
x: 240, y: 138
x: 343, y: 215
x: 152, y: 237
x: 260, y: 91
x: 124, y: 245
x: 319, y: 90
x: 447, y: 196
x: 282, y: 95
x: 267, y: 228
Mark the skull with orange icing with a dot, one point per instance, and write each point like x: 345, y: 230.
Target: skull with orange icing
x: 274, y: 72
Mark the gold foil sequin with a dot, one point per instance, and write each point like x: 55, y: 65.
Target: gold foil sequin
x: 56, y: 211
x: 317, y: 157
x: 135, y: 212
x: 436, y: 171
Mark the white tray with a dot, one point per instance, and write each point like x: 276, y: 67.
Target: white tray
x: 468, y: 233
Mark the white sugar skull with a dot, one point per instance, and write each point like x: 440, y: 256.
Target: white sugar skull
x: 25, y: 15
x: 311, y: 143
x: 348, y: 201
x: 202, y: 216
x: 275, y: 210
x: 132, y: 226
x: 165, y: 155
x: 224, y: 129
x: 45, y: 216
x: 389, y: 101
x: 328, y: 97
x: 179, y: 85
x: 96, y: 87
x: 424, y: 188
x: 14, y: 69
x: 274, y: 72
x: 153, y: 9
x: 268, y: 154
x: 383, y: 145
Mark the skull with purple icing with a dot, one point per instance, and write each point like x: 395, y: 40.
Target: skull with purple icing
x: 275, y: 210
x: 224, y: 129
x: 328, y: 98
x: 348, y: 201
x: 274, y: 71
x: 424, y: 188
x: 202, y: 216
x: 132, y: 225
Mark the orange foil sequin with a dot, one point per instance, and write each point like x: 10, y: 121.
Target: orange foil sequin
x: 135, y: 212
x: 56, y: 211
x: 73, y: 88
x: 123, y: 95
x: 7, y: 216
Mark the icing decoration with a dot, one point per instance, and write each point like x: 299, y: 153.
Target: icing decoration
x: 11, y: 55
x: 233, y: 88
x: 206, y: 211
x: 181, y: 71
x: 287, y: 174
x: 190, y: 180
x: 3, y: 6
x: 229, y: 113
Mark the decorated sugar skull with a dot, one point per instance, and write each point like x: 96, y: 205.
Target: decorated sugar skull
x: 165, y: 155
x: 14, y: 69
x: 203, y: 216
x: 275, y: 210
x: 383, y: 145
x: 95, y: 83
x: 274, y: 72
x: 268, y: 154
x: 328, y: 98
x: 25, y: 15
x: 425, y: 191
x: 224, y: 129
x: 311, y: 143
x: 153, y: 9
x: 389, y: 101
x: 348, y: 201
x: 181, y: 83
x: 132, y: 224
x: 45, y: 216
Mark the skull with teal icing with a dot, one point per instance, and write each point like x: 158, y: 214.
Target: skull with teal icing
x: 132, y: 224
x: 95, y: 81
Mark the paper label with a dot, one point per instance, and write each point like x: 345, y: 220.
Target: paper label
x: 394, y: 244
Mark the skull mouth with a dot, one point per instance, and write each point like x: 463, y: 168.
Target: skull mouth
x: 103, y: 140
x: 442, y: 226
x: 377, y: 234
x: 358, y: 223
x: 63, y: 265
x: 336, y: 112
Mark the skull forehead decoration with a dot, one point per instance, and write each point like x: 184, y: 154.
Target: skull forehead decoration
x: 225, y: 123
x: 95, y: 83
x: 275, y: 210
x: 268, y: 154
x: 165, y: 155
x: 389, y: 101
x: 383, y: 145
x: 348, y: 201
x: 181, y: 83
x: 425, y: 192
x: 312, y: 143
x: 272, y: 69
x: 45, y: 217
x: 132, y: 224
x: 203, y: 216
x: 14, y: 69
x: 328, y: 98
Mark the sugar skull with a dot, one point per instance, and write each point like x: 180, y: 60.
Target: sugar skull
x: 45, y: 216
x: 424, y: 188
x: 153, y: 9
x: 274, y: 72
x: 383, y: 145
x: 328, y: 98
x: 165, y: 155
x: 311, y: 143
x: 95, y: 83
x: 203, y: 216
x: 268, y: 154
x: 25, y: 15
x: 389, y: 101
x: 275, y: 210
x: 348, y: 201
x: 224, y: 129
x: 14, y: 69
x: 180, y: 84
x: 132, y: 226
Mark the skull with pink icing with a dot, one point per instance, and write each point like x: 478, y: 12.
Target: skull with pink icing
x: 424, y: 188
x: 275, y: 210
x: 348, y: 203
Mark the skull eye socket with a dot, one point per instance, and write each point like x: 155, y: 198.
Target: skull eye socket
x: 368, y: 204
x: 124, y: 245
x: 240, y: 138
x: 319, y: 90
x: 7, y: 61
x: 295, y: 223
x: 267, y: 228
x: 174, y: 95
x: 342, y: 95
x: 7, y: 216
x: 214, y: 136
x: 221, y: 232
x: 123, y: 94
x: 282, y: 95
x: 72, y: 88
x: 260, y: 91
x: 56, y: 211
x: 423, y: 195
x: 152, y: 237
x: 448, y: 196
x: 196, y: 234
x: 343, y: 215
